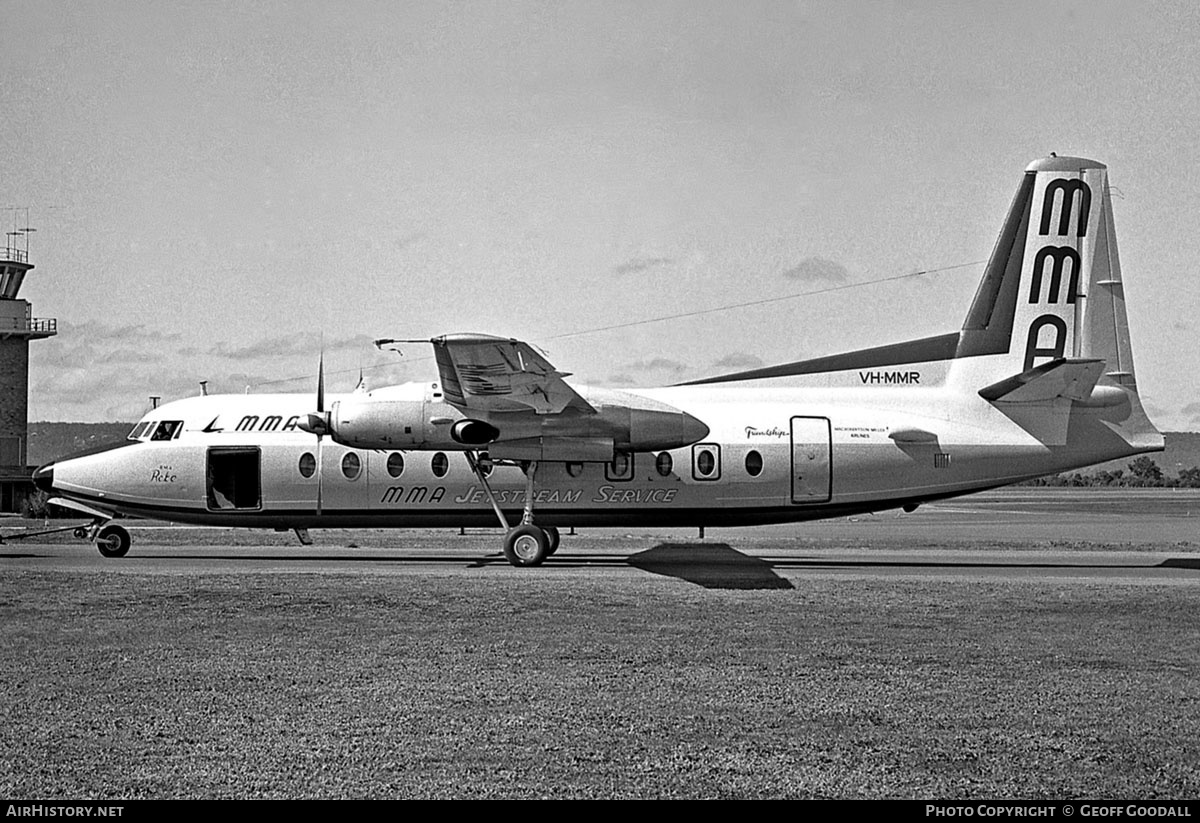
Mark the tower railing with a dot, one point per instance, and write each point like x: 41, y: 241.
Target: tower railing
x: 36, y: 325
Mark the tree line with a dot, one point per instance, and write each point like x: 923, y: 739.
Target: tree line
x: 1143, y: 473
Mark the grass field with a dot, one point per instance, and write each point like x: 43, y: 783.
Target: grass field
x: 524, y: 686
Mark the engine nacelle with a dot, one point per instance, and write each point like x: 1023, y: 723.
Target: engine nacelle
x: 396, y: 417
x: 415, y: 417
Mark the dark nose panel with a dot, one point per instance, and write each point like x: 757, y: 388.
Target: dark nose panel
x: 43, y: 478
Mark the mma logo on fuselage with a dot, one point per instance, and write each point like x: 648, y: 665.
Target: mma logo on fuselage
x: 1048, y: 290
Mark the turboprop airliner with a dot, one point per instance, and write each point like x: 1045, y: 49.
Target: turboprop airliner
x: 1039, y: 379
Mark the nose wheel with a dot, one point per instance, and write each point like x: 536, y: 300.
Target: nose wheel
x: 113, y: 541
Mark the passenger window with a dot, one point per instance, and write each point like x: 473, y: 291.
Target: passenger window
x: 395, y: 464
x: 308, y: 465
x: 663, y: 464
x: 441, y: 464
x: 706, y: 461
x: 351, y: 466
x: 754, y: 463
x: 621, y: 467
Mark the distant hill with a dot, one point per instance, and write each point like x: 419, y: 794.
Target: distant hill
x: 50, y: 441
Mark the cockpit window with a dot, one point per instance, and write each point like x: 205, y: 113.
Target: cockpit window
x: 139, y: 430
x: 167, y: 430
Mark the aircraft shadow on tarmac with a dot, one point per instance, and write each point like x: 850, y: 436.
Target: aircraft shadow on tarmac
x: 1181, y: 563
x: 710, y: 565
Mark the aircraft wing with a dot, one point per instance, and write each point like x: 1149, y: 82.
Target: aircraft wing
x: 483, y: 373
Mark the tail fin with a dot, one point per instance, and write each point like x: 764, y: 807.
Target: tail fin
x: 1051, y: 307
x: 1052, y: 288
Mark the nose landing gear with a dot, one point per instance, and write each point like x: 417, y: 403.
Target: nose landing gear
x: 113, y: 541
x: 110, y: 539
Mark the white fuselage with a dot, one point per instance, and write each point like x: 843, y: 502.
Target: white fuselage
x: 1039, y: 379
x: 774, y: 453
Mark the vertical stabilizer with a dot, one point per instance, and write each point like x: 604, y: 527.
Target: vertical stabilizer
x: 1050, y: 311
x: 1056, y: 246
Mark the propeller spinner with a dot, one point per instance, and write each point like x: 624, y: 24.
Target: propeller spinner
x: 319, y: 422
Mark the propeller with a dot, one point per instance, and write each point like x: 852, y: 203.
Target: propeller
x: 318, y: 423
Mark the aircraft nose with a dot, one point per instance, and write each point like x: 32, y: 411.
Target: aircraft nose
x: 43, y: 477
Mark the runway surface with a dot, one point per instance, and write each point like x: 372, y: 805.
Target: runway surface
x: 1029, y: 643
x: 1125, y: 535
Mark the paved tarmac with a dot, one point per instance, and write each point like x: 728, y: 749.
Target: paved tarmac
x: 1125, y: 536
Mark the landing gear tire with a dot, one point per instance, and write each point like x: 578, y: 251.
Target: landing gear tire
x: 526, y: 545
x: 552, y: 534
x: 113, y: 541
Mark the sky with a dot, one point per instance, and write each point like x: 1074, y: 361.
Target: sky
x: 223, y: 191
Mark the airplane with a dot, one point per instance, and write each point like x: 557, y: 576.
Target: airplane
x: 1039, y: 379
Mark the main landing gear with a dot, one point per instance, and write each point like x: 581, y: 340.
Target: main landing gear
x: 527, y: 544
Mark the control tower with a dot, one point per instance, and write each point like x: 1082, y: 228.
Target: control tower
x: 17, y: 327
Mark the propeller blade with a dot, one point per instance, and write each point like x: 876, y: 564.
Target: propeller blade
x: 320, y: 462
x: 324, y: 422
x: 318, y: 422
x: 321, y: 384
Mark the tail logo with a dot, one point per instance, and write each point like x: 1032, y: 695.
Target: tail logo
x: 1059, y: 256
x: 1048, y: 333
x: 1068, y: 189
x: 1057, y: 345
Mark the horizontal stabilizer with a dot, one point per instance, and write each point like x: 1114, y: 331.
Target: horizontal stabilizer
x: 1071, y: 379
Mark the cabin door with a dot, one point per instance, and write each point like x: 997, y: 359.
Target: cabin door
x: 234, y: 478
x: 812, y: 464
